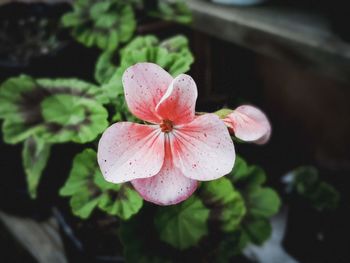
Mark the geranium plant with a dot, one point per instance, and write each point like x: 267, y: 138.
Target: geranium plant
x: 149, y: 157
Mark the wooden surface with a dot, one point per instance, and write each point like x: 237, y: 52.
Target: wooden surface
x: 285, y: 33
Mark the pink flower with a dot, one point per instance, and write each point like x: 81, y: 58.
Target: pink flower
x: 249, y: 124
x: 164, y: 159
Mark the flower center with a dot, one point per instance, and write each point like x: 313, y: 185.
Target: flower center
x: 166, y: 126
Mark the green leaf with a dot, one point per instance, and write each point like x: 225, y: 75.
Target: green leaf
x: 320, y: 194
x: 82, y: 174
x: 125, y: 202
x: 263, y: 202
x: 225, y: 203
x: 172, y: 54
x: 257, y: 230
x: 306, y: 178
x: 70, y: 118
x: 99, y: 8
x: 247, y: 175
x: 74, y: 87
x: 57, y: 110
x: 104, y: 24
x: 104, y: 67
x: 89, y: 190
x: 173, y: 11
x: 83, y: 203
x: 35, y: 155
x: 15, y: 132
x: 71, y: 19
x: 240, y: 169
x: 183, y: 225
x: 85, y: 195
x: 325, y: 197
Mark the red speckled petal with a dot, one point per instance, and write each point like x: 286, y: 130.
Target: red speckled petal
x: 179, y: 101
x: 203, y: 149
x: 144, y: 86
x: 249, y: 124
x: 169, y: 186
x: 127, y: 151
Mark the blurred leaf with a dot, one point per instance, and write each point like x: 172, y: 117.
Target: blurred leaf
x: 325, y: 197
x: 321, y: 195
x: 240, y: 169
x: 225, y: 203
x: 263, y: 202
x: 183, y: 225
x: 104, y: 67
x: 246, y: 175
x: 74, y: 87
x: 257, y: 230
x: 104, y: 24
x: 173, y: 11
x: 35, y: 155
x: 89, y: 190
x: 15, y: 132
x: 55, y: 110
x: 305, y: 178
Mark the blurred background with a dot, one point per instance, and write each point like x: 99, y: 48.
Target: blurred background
x: 289, y: 58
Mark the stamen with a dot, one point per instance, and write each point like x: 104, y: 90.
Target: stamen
x: 166, y: 126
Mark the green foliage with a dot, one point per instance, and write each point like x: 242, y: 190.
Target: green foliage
x: 173, y: 11
x: 172, y: 54
x: 249, y: 176
x: 104, y: 24
x: 55, y: 110
x: 226, y: 204
x: 104, y: 67
x: 256, y: 230
x: 183, y: 225
x: 218, y: 222
x: 321, y: 195
x: 227, y: 247
x: 261, y: 202
x: 140, y: 240
x: 88, y: 190
x: 35, y: 155
x: 121, y: 201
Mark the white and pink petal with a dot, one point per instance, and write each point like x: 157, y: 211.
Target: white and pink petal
x: 179, y: 101
x: 168, y: 187
x: 128, y: 151
x: 203, y: 149
x: 144, y: 86
x: 249, y: 124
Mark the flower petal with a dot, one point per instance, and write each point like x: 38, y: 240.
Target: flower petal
x: 127, y: 151
x: 249, y: 124
x: 144, y: 86
x: 179, y: 101
x: 168, y: 187
x: 203, y: 149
